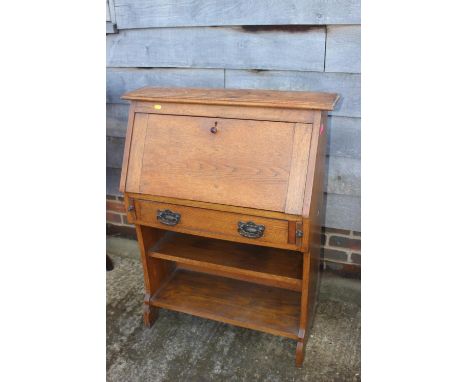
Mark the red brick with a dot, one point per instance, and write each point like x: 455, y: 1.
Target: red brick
x: 356, y: 258
x: 113, y: 217
x: 115, y: 206
x: 345, y: 270
x: 333, y: 254
x: 345, y: 242
x: 334, y: 266
x: 121, y: 231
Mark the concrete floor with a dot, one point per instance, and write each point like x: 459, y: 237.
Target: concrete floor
x: 181, y: 347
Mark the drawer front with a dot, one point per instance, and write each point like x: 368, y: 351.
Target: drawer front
x: 216, y: 224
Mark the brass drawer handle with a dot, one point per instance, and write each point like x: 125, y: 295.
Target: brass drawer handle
x: 250, y: 229
x: 168, y: 217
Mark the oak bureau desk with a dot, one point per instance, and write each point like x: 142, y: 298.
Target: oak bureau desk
x: 225, y: 190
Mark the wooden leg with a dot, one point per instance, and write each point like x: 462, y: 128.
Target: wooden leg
x: 155, y: 271
x: 150, y: 314
x: 300, y: 348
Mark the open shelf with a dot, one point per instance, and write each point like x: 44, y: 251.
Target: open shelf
x: 269, y: 309
x: 264, y: 265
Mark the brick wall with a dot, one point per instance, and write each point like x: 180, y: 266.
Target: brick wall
x: 116, y: 218
x: 341, y: 248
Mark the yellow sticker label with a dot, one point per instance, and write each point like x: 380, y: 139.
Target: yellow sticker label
x: 157, y: 107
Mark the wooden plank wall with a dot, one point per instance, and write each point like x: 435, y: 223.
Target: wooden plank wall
x: 265, y: 44
x: 110, y: 17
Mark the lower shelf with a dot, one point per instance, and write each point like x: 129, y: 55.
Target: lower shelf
x: 269, y: 266
x: 268, y: 309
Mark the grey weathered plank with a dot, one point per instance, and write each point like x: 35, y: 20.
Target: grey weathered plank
x: 225, y: 47
x: 170, y: 13
x: 348, y: 86
x: 343, y: 49
x: 120, y: 81
x: 344, y: 137
x: 108, y: 16
x: 116, y: 119
x: 111, y: 11
x: 114, y: 151
x: 110, y: 28
x: 343, y: 176
x: 343, y: 211
x: 113, y: 181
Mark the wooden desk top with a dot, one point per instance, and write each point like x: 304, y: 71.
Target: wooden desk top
x: 236, y: 97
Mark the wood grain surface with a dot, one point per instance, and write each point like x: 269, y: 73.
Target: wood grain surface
x: 272, y: 310
x: 237, y: 97
x: 343, y: 49
x: 245, y: 163
x: 216, y: 170
x: 217, y: 224
x: 232, y: 47
x: 170, y: 13
x: 135, y: 153
x: 347, y: 85
x: 299, y: 164
x: 270, y: 266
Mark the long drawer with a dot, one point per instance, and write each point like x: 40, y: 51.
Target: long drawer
x: 217, y: 224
